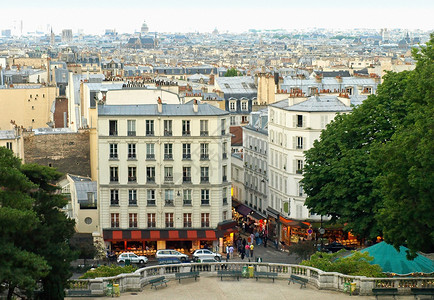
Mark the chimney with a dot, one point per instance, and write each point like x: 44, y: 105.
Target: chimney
x: 345, y: 99
x: 195, y: 106
x: 160, y: 105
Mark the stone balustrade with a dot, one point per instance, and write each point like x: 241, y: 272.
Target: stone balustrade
x: 321, y: 280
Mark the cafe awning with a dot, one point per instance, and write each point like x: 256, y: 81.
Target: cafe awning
x: 293, y: 223
x: 154, y: 235
x: 244, y: 210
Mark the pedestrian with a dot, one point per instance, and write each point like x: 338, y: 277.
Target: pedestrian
x: 231, y: 251
x: 242, y: 255
x: 227, y: 257
x: 247, y: 250
x: 265, y: 241
x: 257, y: 238
x: 252, y: 237
x: 244, y: 242
x: 251, y: 250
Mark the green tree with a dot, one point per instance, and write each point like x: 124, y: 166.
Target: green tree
x: 407, y: 164
x: 232, y: 72
x: 303, y: 249
x: 50, y: 236
x: 20, y: 269
x: 373, y: 168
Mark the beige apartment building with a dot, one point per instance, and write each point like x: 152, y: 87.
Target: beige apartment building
x: 164, y: 176
x: 29, y: 105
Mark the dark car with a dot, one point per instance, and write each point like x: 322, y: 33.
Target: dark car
x: 335, y: 247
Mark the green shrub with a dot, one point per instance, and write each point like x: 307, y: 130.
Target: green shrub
x: 107, y: 271
x: 357, y: 264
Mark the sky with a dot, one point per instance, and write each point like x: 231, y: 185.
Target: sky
x: 94, y: 16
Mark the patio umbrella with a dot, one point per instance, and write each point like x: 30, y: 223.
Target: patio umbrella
x: 392, y: 261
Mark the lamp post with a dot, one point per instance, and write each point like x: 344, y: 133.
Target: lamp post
x: 321, y: 232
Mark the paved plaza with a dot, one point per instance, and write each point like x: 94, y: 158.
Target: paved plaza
x: 213, y: 288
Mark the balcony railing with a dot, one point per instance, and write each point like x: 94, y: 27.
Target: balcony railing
x: 186, y: 133
x: 150, y: 156
x: 149, y: 133
x: 168, y: 156
x: 86, y: 205
x: 169, y: 224
x: 150, y: 179
x: 167, y: 132
x: 168, y: 202
x: 114, y: 179
x: 113, y: 133
x: 152, y: 224
x: 187, y: 224
x: 204, y: 179
x: 204, y: 202
x: 187, y: 202
x: 204, y: 133
x: 113, y: 156
x: 131, y: 133
x: 168, y: 178
x: 132, y: 178
x: 132, y: 202
x: 186, y: 156
x: 186, y: 179
x: 151, y: 202
x: 132, y: 156
x: 299, y: 171
x: 205, y: 224
x: 204, y: 156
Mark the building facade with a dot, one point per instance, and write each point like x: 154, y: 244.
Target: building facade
x: 164, y: 175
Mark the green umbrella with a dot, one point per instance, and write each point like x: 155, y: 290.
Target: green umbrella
x: 392, y: 261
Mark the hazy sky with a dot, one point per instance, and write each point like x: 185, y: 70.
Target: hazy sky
x: 93, y: 16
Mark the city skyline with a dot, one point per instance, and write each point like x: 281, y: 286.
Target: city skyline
x: 195, y: 16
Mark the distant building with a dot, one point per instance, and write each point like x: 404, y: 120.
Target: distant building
x: 67, y: 35
x: 6, y: 32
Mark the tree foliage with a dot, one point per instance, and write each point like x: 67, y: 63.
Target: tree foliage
x: 303, y: 249
x: 372, y: 168
x: 34, y: 232
x: 232, y: 72
x: 108, y: 271
x: 357, y: 264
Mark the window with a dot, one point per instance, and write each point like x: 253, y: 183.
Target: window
x: 186, y: 151
x: 187, y: 220
x: 232, y: 105
x: 168, y: 174
x: 9, y: 145
x: 113, y: 127
x: 300, y: 190
x: 133, y: 220
x: 115, y: 220
x: 223, y: 126
x: 233, y: 120
x: 299, y: 166
x: 204, y: 174
x: 186, y: 197
x: 113, y: 151
x: 149, y: 127
x: 131, y: 151
x: 114, y: 197
x: 225, y: 196
x: 185, y: 128
x: 244, y: 119
x: 224, y: 173
x: 224, y: 150
x: 114, y: 177
x: 299, y: 142
x: 169, y: 220
x: 204, y: 155
x: 244, y: 105
x: 150, y: 154
x: 203, y: 127
x: 167, y: 127
x: 150, y: 174
x: 132, y: 171
x: 132, y: 197
x: 299, y: 121
x: 168, y: 197
x: 186, y: 174
x: 150, y: 197
x: 131, y: 124
x: 151, y: 221
x: 205, y: 219
x: 299, y: 211
x: 168, y: 151
x: 324, y: 121
x: 204, y: 197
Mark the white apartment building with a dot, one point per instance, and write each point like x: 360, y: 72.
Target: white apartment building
x: 164, y: 175
x: 293, y: 126
x: 255, y: 147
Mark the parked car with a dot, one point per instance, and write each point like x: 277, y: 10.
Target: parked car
x: 169, y: 253
x: 335, y: 247
x: 134, y: 258
x: 202, y: 254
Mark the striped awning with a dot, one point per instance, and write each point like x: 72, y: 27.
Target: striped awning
x: 154, y: 235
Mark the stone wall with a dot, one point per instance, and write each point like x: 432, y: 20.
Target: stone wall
x: 67, y: 152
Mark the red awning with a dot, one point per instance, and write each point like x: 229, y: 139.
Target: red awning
x: 293, y: 223
x: 154, y: 235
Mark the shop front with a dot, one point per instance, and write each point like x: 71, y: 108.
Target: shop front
x: 147, y: 242
x: 294, y: 231
x: 273, y: 225
x: 226, y: 232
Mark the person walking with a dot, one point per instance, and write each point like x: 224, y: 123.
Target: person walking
x: 247, y: 250
x: 231, y: 251
x: 252, y: 237
x: 251, y: 250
